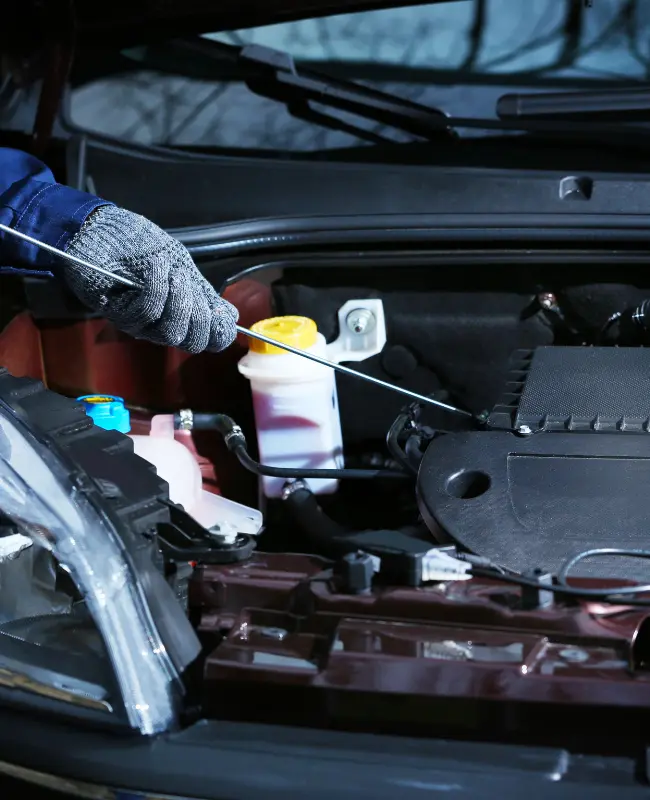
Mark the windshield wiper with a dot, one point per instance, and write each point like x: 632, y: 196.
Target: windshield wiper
x: 307, y: 94
x: 631, y: 104
x: 282, y: 80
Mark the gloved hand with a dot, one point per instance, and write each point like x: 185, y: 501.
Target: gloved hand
x: 176, y: 305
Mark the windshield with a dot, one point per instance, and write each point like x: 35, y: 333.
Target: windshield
x: 459, y: 57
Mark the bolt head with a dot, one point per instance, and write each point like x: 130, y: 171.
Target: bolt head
x: 524, y: 430
x: 360, y: 321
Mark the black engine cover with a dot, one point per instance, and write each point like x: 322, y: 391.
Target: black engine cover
x: 580, y: 480
x: 528, y: 502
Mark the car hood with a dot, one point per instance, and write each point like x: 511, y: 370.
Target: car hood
x: 138, y: 21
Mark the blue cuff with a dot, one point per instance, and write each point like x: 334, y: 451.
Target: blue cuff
x: 49, y: 212
x: 32, y: 202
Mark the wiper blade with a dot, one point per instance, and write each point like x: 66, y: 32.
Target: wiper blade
x: 631, y: 104
x: 307, y: 93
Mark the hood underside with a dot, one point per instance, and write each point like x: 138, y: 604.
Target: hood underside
x: 127, y: 21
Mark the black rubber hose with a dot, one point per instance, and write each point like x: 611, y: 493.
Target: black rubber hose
x: 201, y: 422
x: 236, y: 443
x: 290, y: 472
x: 325, y: 536
x: 329, y: 539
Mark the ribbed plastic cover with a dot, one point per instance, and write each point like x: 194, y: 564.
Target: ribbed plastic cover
x: 579, y: 389
x: 587, y: 388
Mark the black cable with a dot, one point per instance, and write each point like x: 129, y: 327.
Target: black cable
x: 623, y: 595
x: 393, y: 445
x: 410, y: 455
x: 607, y: 595
x: 334, y: 541
x: 236, y: 442
x: 331, y: 538
x: 569, y: 564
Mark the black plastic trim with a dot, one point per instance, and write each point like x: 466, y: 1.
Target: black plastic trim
x: 225, y: 272
x: 179, y: 190
x: 218, y: 760
x: 381, y: 230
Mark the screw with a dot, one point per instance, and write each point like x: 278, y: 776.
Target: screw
x: 360, y: 321
x: 547, y: 300
x: 524, y: 430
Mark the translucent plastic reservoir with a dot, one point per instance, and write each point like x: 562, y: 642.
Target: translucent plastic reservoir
x: 176, y: 465
x: 295, y: 402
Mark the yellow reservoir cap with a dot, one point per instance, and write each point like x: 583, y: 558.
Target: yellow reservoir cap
x: 299, y: 332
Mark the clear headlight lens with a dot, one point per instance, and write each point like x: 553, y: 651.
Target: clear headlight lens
x: 59, y: 522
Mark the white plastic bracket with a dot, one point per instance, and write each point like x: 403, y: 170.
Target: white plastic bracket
x: 362, y: 331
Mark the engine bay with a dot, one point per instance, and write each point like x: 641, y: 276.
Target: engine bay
x: 403, y: 568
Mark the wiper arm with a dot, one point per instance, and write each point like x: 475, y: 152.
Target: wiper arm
x: 275, y: 75
x: 279, y: 78
x: 631, y: 104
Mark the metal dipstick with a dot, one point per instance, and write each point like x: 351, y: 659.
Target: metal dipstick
x: 252, y: 334
x: 347, y: 371
x: 67, y: 257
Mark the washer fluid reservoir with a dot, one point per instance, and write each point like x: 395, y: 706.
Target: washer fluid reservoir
x: 175, y: 464
x: 295, y: 403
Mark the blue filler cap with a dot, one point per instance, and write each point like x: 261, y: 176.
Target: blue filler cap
x: 107, y: 411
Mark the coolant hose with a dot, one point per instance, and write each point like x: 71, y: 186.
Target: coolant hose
x: 293, y: 472
x: 324, y: 535
x: 329, y: 539
x: 235, y: 441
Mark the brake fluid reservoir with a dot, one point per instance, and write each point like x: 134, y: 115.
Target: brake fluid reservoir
x: 295, y: 402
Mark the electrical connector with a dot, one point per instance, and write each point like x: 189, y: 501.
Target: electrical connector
x: 438, y: 565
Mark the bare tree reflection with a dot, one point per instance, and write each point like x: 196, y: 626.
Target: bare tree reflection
x: 536, y: 38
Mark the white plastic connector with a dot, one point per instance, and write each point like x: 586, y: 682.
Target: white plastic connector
x: 362, y: 331
x: 440, y: 566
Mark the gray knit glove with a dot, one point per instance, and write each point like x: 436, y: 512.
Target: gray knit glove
x: 176, y: 305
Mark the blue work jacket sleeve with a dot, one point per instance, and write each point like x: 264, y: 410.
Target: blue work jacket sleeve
x: 32, y: 202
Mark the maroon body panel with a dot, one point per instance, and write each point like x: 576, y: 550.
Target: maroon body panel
x: 279, y: 624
